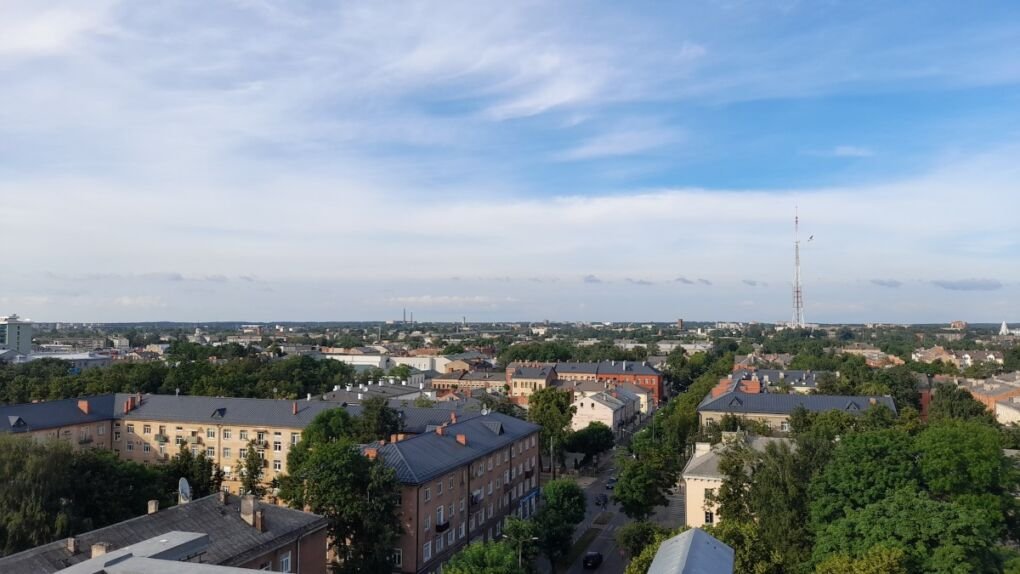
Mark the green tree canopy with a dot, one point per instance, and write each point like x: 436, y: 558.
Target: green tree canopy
x: 485, y: 558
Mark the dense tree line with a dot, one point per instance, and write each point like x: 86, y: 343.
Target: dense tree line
x: 555, y: 351
x: 50, y: 491
x: 873, y: 493
x: 189, y: 373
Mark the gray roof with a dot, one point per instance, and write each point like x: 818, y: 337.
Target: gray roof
x: 693, y: 552
x: 771, y: 403
x: 231, y: 540
x: 426, y: 456
x: 527, y: 372
x: 417, y: 420
x: 222, y: 410
x: 626, y: 368
x: 706, y: 465
x: 577, y: 368
x: 794, y: 378
x: 51, y: 414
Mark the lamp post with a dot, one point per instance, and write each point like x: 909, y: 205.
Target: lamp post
x: 520, y: 549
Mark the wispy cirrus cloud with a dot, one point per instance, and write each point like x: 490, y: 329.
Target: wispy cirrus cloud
x: 754, y: 283
x: 849, y: 151
x: 591, y: 279
x: 642, y: 282
x: 891, y: 283
x: 683, y: 280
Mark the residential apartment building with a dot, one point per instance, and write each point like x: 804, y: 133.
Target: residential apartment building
x: 775, y: 409
x: 992, y: 390
x: 16, y: 334
x: 150, y: 429
x: 611, y: 408
x: 469, y: 380
x: 225, y: 531
x: 459, y: 482
x: 701, y: 475
x: 524, y: 380
x: 640, y: 374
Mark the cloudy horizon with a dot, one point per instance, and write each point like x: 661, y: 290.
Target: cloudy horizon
x: 262, y: 160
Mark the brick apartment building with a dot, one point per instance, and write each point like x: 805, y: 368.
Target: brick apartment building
x: 640, y: 374
x: 459, y: 482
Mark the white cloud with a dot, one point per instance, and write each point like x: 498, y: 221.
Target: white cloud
x: 451, y: 300
x: 621, y: 143
x: 845, y: 151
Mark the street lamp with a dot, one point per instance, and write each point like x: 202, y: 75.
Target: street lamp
x: 520, y: 548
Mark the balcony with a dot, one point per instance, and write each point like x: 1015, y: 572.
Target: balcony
x: 194, y: 440
x: 86, y: 440
x: 508, y: 487
x: 162, y: 439
x: 442, y: 527
x: 475, y: 499
x: 529, y: 473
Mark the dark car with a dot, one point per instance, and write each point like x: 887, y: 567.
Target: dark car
x: 592, y: 560
x: 611, y: 483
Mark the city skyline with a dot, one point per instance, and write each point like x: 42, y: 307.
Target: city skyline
x: 279, y: 161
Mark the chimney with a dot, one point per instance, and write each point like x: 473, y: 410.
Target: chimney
x: 440, y: 430
x: 873, y: 401
x: 248, y: 509
x: 293, y: 408
x: 260, y: 520
x: 309, y: 397
x: 83, y: 406
x: 101, y: 548
x: 393, y: 438
x: 462, y: 439
x: 72, y: 545
x: 153, y: 507
x: 372, y: 453
x: 221, y: 496
x: 453, y: 417
x: 127, y: 406
x: 359, y: 396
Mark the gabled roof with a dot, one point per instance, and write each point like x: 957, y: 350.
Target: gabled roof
x: 421, y: 458
x: 222, y: 410
x: 28, y: 417
x: 231, y: 540
x: 693, y: 552
x: 780, y: 404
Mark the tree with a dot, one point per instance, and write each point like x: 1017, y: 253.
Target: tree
x: 951, y: 402
x: 750, y: 554
x: 521, y: 535
x: 402, y: 372
x: 937, y: 537
x: 877, y: 560
x: 633, y: 537
x: 642, y: 486
x: 203, y: 475
x: 564, y: 508
x: 453, y: 349
x: 640, y: 563
x: 484, y: 558
x: 424, y: 402
x: 377, y: 421
x: 251, y: 471
x: 551, y: 408
x: 359, y: 497
x: 593, y: 439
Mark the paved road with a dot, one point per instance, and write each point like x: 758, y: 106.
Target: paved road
x: 605, y: 542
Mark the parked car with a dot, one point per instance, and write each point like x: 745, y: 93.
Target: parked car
x: 592, y: 560
x: 611, y: 483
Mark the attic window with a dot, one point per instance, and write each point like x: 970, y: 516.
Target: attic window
x: 16, y: 421
x: 852, y: 406
x: 495, y: 427
x: 736, y: 402
x: 219, y: 413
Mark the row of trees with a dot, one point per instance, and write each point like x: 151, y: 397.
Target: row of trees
x: 49, y: 379
x: 551, y: 533
x: 554, y: 351
x: 50, y: 491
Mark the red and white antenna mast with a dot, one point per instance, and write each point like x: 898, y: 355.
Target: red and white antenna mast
x: 798, y: 293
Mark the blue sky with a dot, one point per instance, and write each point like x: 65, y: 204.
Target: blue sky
x: 263, y: 160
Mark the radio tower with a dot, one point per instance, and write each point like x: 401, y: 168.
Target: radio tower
x: 798, y: 294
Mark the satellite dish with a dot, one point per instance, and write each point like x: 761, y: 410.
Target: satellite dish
x: 183, y: 491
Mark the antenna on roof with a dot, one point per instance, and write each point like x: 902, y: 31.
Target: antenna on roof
x: 183, y: 491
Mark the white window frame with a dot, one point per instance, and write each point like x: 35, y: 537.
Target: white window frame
x: 285, y: 562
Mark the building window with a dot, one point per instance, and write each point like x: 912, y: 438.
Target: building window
x: 146, y: 429
x: 100, y: 430
x: 244, y: 435
x: 398, y: 557
x: 131, y: 429
x: 294, y: 438
x: 226, y: 452
x: 490, y: 487
x: 242, y: 452
x: 439, y: 488
x: 463, y: 530
x: 462, y: 504
x: 260, y: 436
x: 451, y: 537
x: 277, y: 446
x: 178, y: 440
x: 440, y: 515
x: 130, y: 445
x: 146, y: 447
x: 226, y: 434
x: 709, y: 518
x: 428, y: 521
x: 428, y: 494
x: 439, y: 544
x: 285, y: 562
x: 277, y: 465
x: 426, y: 551
x: 162, y: 450
x: 490, y: 458
x: 210, y: 452
x: 210, y: 433
x: 784, y: 426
